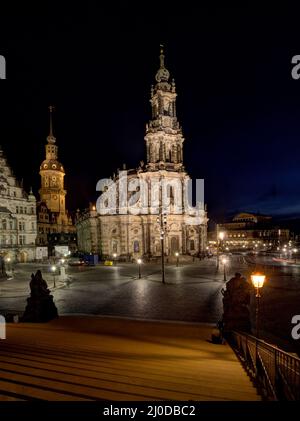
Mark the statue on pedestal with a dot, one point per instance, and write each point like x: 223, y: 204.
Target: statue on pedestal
x: 40, y: 306
x: 236, y: 300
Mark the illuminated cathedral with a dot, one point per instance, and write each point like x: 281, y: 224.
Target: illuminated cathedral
x: 128, y: 235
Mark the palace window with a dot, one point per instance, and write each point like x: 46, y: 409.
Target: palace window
x: 136, y: 246
x: 192, y: 244
x: 21, y: 226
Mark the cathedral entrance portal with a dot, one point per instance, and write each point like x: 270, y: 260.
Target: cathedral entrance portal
x: 114, y: 246
x: 174, y: 245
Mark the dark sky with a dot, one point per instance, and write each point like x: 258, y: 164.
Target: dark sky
x: 237, y: 102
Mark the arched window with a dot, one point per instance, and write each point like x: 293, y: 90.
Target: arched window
x: 170, y: 194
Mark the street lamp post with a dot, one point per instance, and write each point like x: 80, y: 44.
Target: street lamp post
x: 224, y: 261
x: 53, y: 270
x: 8, y: 260
x: 177, y: 258
x: 162, y: 222
x: 139, y: 262
x: 220, y: 237
x: 258, y: 280
x: 115, y: 257
x: 295, y: 251
x: 62, y: 269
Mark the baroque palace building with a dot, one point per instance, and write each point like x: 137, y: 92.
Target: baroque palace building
x: 54, y: 220
x: 133, y: 228
x: 18, y: 220
x: 250, y: 231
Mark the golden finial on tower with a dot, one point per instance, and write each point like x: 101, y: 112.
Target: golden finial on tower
x: 51, y: 109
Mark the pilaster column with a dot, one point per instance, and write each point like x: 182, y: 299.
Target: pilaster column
x: 183, y: 239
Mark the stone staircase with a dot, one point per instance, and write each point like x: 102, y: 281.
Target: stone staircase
x: 92, y: 358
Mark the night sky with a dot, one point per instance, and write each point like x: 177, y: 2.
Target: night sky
x: 237, y: 102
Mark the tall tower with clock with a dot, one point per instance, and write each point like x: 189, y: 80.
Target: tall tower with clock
x: 53, y: 218
x: 52, y: 174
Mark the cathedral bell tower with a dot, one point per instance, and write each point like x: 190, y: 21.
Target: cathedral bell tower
x: 52, y: 177
x: 164, y: 140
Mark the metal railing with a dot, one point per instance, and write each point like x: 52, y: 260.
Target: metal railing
x: 276, y: 373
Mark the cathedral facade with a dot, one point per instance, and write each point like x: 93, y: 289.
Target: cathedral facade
x: 53, y: 218
x: 140, y: 207
x: 18, y: 220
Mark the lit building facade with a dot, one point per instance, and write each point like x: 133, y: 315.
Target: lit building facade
x: 133, y: 234
x: 18, y: 220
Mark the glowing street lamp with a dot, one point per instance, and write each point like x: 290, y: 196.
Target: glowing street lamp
x: 224, y: 261
x: 220, y: 238
x: 115, y: 256
x: 139, y: 262
x: 258, y: 281
x: 177, y: 258
x: 53, y: 270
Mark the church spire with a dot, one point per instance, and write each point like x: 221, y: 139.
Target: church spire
x: 164, y: 140
x: 51, y: 138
